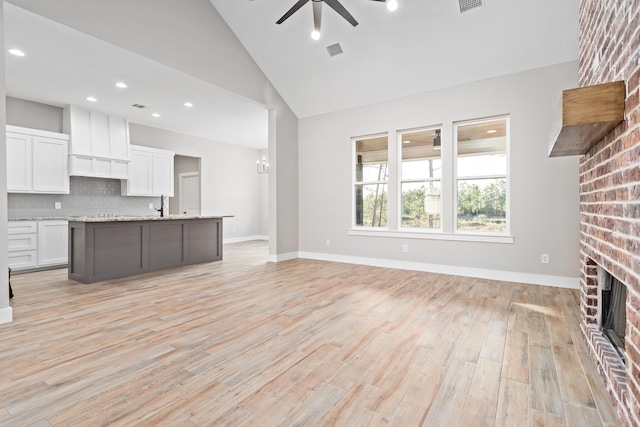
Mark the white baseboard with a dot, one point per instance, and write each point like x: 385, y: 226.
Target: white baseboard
x: 283, y: 257
x: 243, y: 239
x: 507, y: 276
x: 6, y: 315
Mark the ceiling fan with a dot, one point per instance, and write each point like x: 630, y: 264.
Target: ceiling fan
x: 333, y: 4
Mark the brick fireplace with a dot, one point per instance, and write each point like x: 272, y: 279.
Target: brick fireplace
x: 609, y: 43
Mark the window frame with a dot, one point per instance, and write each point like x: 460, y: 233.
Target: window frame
x: 506, y: 176
x: 448, y: 230
x: 354, y: 183
x: 401, y: 181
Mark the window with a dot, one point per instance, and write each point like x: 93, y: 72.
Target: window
x: 421, y: 179
x: 370, y: 181
x: 481, y: 175
x: 443, y: 182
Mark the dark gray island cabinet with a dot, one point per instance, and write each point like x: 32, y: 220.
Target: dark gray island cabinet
x: 112, y: 248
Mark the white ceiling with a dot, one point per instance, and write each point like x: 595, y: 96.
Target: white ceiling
x: 63, y: 66
x: 422, y: 46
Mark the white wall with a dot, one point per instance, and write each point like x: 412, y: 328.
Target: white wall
x: 544, y: 191
x: 5, y: 308
x: 229, y: 182
x: 197, y: 41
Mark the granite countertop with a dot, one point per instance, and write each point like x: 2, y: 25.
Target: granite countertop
x: 117, y: 218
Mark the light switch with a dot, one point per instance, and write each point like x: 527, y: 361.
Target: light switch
x: 58, y: 205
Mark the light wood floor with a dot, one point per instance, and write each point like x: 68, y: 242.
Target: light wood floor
x: 243, y: 342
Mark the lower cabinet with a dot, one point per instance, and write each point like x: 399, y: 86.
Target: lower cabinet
x: 35, y: 244
x: 53, y: 238
x: 23, y: 245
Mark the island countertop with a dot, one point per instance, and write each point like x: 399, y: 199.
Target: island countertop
x: 119, y: 218
x: 112, y: 218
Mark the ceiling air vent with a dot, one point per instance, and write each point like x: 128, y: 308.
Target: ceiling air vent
x: 466, y: 5
x: 139, y: 106
x: 334, y: 49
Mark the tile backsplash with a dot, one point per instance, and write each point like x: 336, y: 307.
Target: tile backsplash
x: 87, y: 196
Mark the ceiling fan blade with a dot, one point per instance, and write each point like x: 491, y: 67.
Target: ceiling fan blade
x: 384, y: 1
x: 317, y: 14
x: 291, y: 11
x: 335, y: 5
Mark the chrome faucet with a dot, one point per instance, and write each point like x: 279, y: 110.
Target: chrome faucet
x: 161, y: 210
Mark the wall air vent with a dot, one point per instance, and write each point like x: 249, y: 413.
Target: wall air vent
x: 334, y: 49
x: 466, y: 5
x: 139, y: 106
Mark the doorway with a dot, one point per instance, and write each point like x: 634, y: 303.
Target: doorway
x: 187, y: 193
x: 189, y: 189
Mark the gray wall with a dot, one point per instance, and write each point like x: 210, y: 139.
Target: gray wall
x: 264, y: 197
x: 218, y: 57
x: 33, y: 115
x: 544, y: 191
x: 5, y: 309
x: 228, y: 176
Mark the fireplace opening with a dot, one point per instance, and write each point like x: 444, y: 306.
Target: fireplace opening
x: 614, y: 310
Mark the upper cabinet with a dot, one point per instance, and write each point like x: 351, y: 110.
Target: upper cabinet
x: 150, y: 174
x: 99, y: 143
x: 588, y: 114
x: 36, y: 161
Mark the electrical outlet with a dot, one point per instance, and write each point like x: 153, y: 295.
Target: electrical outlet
x: 150, y: 205
x: 405, y: 248
x: 233, y: 230
x: 58, y: 205
x: 544, y: 258
x: 328, y: 242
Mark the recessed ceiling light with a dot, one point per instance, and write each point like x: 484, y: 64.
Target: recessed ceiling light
x: 91, y: 98
x: 492, y: 131
x: 16, y: 52
x: 392, y: 5
x: 156, y: 115
x: 315, y: 35
x: 121, y: 85
x: 188, y: 104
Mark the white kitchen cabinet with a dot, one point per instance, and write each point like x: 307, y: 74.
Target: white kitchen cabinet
x: 53, y: 239
x: 36, y: 161
x: 22, y: 242
x: 99, y: 143
x: 151, y: 172
x: 35, y: 244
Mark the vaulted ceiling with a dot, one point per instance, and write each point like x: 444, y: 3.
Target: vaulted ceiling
x: 423, y: 45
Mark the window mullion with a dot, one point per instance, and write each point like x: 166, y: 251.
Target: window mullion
x: 448, y: 180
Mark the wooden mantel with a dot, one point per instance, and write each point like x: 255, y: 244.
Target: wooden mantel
x: 588, y: 115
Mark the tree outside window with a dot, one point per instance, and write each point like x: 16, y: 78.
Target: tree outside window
x: 370, y: 181
x: 421, y: 188
x: 481, y: 174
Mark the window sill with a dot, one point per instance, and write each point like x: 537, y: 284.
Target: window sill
x: 428, y: 235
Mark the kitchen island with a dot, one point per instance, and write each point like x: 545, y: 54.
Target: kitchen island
x: 116, y: 247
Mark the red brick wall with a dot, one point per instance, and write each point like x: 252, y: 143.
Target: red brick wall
x: 609, y: 43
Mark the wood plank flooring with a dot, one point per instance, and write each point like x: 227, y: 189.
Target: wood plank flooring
x: 243, y: 342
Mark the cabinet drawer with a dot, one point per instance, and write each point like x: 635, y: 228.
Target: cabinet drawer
x: 22, y: 227
x: 22, y: 259
x: 22, y: 242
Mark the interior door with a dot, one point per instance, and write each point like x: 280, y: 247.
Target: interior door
x: 189, y: 193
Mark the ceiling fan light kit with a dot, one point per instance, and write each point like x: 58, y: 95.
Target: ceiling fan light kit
x: 333, y: 4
